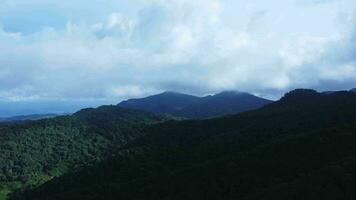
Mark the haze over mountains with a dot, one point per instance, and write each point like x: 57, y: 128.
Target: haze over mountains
x: 43, y: 107
x: 172, y: 103
x: 300, y: 147
x: 27, y: 117
x: 192, y: 107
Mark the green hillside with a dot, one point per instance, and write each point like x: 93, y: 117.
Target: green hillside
x: 301, y: 147
x: 37, y: 151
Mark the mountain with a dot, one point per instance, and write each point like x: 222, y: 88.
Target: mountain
x: 33, y: 152
x: 300, y: 147
x: 303, y: 95
x: 353, y: 90
x: 167, y: 102
x: 187, y: 106
x: 27, y: 117
x: 224, y: 103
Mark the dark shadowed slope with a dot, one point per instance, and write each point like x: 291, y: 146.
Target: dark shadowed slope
x: 187, y: 106
x: 301, y: 147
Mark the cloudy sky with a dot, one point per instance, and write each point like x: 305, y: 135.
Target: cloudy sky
x: 106, y: 51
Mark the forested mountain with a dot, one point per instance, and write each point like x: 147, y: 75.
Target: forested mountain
x: 33, y: 152
x: 187, y: 106
x: 224, y: 103
x: 166, y: 102
x: 300, y: 147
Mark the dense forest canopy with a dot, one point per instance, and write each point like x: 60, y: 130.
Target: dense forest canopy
x: 33, y: 152
x: 301, y: 147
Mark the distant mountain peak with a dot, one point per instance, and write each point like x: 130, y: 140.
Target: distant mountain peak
x: 353, y: 90
x: 162, y: 103
x: 188, y: 106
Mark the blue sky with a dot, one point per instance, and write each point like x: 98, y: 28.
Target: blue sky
x: 95, y: 51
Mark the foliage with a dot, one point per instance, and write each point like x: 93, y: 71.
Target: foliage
x: 301, y: 147
x: 31, y: 153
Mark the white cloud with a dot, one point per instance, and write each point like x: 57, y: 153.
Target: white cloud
x: 131, y: 91
x: 149, y: 46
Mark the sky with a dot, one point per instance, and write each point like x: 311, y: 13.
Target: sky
x: 84, y: 53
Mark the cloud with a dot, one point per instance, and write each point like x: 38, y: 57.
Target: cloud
x: 313, y: 2
x: 119, y: 49
x: 324, y: 63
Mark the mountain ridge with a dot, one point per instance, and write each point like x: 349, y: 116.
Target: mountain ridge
x: 271, y: 152
x: 166, y: 102
x: 193, y: 107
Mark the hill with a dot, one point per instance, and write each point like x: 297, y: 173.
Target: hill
x: 224, y: 103
x: 166, y: 102
x: 33, y: 152
x: 300, y: 147
x: 187, y: 106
